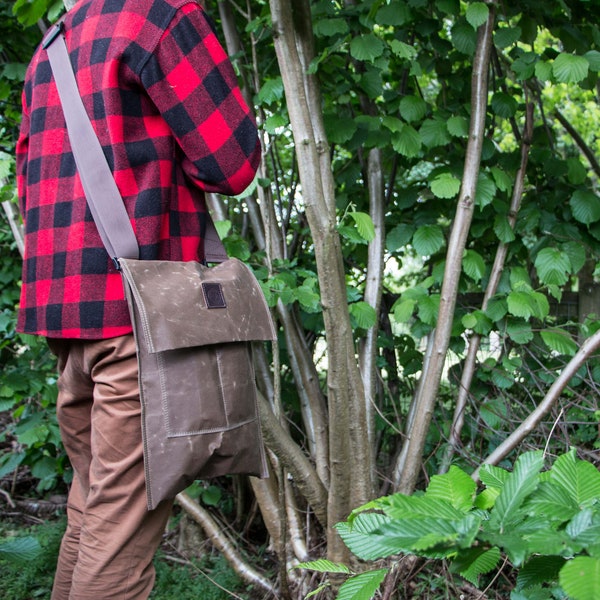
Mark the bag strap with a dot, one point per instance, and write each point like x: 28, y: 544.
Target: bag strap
x: 102, y: 194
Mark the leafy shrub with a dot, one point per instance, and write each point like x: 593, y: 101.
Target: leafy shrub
x: 546, y: 524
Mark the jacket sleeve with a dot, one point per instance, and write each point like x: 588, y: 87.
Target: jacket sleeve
x: 192, y: 82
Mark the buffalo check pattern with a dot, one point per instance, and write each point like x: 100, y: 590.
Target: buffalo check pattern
x: 164, y: 101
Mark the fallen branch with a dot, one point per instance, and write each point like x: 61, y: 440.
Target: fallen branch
x: 216, y: 534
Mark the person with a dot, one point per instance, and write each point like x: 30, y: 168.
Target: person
x: 164, y: 101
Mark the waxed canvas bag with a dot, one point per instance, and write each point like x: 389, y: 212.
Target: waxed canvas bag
x: 194, y: 326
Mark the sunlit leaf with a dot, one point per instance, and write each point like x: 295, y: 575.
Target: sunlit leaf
x: 580, y: 578
x: 366, y: 47
x: 362, y: 586
x: 570, y: 68
x: 559, y: 341
x: 477, y: 14
x: 364, y: 225
x: 445, y: 185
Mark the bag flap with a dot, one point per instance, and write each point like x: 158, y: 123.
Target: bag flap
x: 186, y: 304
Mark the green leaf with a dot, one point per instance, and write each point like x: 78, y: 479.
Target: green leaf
x: 323, y: 566
x: 403, y: 310
x: 506, y: 36
x: 22, y: 549
x: 434, y: 132
x: 331, y: 26
x: 559, y: 341
x: 428, y: 309
x: 403, y: 50
x: 445, y: 185
x: 399, y: 237
x: 464, y: 38
x: 364, y: 225
x: 570, y: 68
x: 366, y: 47
x: 223, y: 228
x: 486, y: 190
x: 580, y: 578
x: 492, y: 476
x: 339, y: 129
x: 520, y: 304
x: 502, y: 179
x: 436, y: 505
x: 407, y: 142
x: 504, y: 105
x: 455, y: 487
x: 503, y: 229
x: 519, y: 331
x: 579, y: 478
x: 458, y: 127
x: 362, y: 586
x: 585, y: 206
x: 477, y: 14
x: 517, y: 487
x: 271, y: 91
x: 576, y: 253
x: 593, y: 57
x: 543, y: 70
x: 553, y: 266
x: 364, y: 314
x: 473, y: 265
x: 428, y: 239
x: 394, y: 15
x: 473, y: 562
x: 412, y: 108
x: 577, y: 173
x: 539, y: 570
x: 363, y: 537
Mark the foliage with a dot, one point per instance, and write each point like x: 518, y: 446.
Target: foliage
x: 394, y: 77
x: 28, y: 561
x: 546, y: 524
x: 32, y: 576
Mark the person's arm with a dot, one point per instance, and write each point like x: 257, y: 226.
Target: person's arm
x: 191, y: 81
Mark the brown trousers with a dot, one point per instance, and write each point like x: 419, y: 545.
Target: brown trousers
x: 111, y: 537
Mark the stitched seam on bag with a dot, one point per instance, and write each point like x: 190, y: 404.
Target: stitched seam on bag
x: 163, y: 391
x: 218, y: 354
x: 214, y: 430
x: 140, y: 307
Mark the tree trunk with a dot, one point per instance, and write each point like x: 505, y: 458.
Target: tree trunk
x: 348, y: 440
x: 406, y: 478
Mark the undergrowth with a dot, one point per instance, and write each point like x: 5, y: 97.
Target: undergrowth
x: 30, y: 578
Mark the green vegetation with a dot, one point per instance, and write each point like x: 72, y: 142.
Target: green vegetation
x: 543, y: 525
x: 429, y: 293
x: 28, y: 559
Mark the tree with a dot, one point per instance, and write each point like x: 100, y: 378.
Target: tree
x: 425, y: 211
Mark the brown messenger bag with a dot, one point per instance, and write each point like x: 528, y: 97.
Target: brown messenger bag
x: 193, y: 325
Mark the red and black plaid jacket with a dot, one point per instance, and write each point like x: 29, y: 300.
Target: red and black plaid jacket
x: 164, y: 102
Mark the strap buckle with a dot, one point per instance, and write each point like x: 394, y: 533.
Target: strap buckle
x: 54, y: 33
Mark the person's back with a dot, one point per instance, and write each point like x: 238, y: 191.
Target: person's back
x: 164, y: 102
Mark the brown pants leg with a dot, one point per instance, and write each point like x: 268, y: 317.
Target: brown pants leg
x: 111, y: 537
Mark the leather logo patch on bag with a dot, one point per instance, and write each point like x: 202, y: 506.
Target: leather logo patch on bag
x: 213, y: 294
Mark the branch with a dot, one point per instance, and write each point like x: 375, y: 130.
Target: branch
x: 15, y: 226
x: 585, y: 149
x: 496, y: 273
x: 412, y: 455
x: 216, y: 534
x: 532, y: 421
